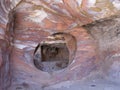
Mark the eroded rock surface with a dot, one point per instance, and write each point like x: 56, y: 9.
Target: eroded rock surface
x: 26, y: 23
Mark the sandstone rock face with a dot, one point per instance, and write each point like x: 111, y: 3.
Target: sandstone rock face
x: 24, y: 24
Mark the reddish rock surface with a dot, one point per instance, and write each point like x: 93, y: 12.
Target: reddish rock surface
x: 25, y: 24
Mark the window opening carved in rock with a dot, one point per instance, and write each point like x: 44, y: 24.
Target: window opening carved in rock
x: 55, y: 53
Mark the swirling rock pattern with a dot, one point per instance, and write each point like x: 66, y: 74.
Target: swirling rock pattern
x: 25, y: 23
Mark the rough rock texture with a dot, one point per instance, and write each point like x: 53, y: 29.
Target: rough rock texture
x: 25, y: 23
x: 5, y: 47
x: 106, y: 33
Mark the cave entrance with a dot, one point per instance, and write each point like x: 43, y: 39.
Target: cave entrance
x: 54, y: 56
x: 53, y: 53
